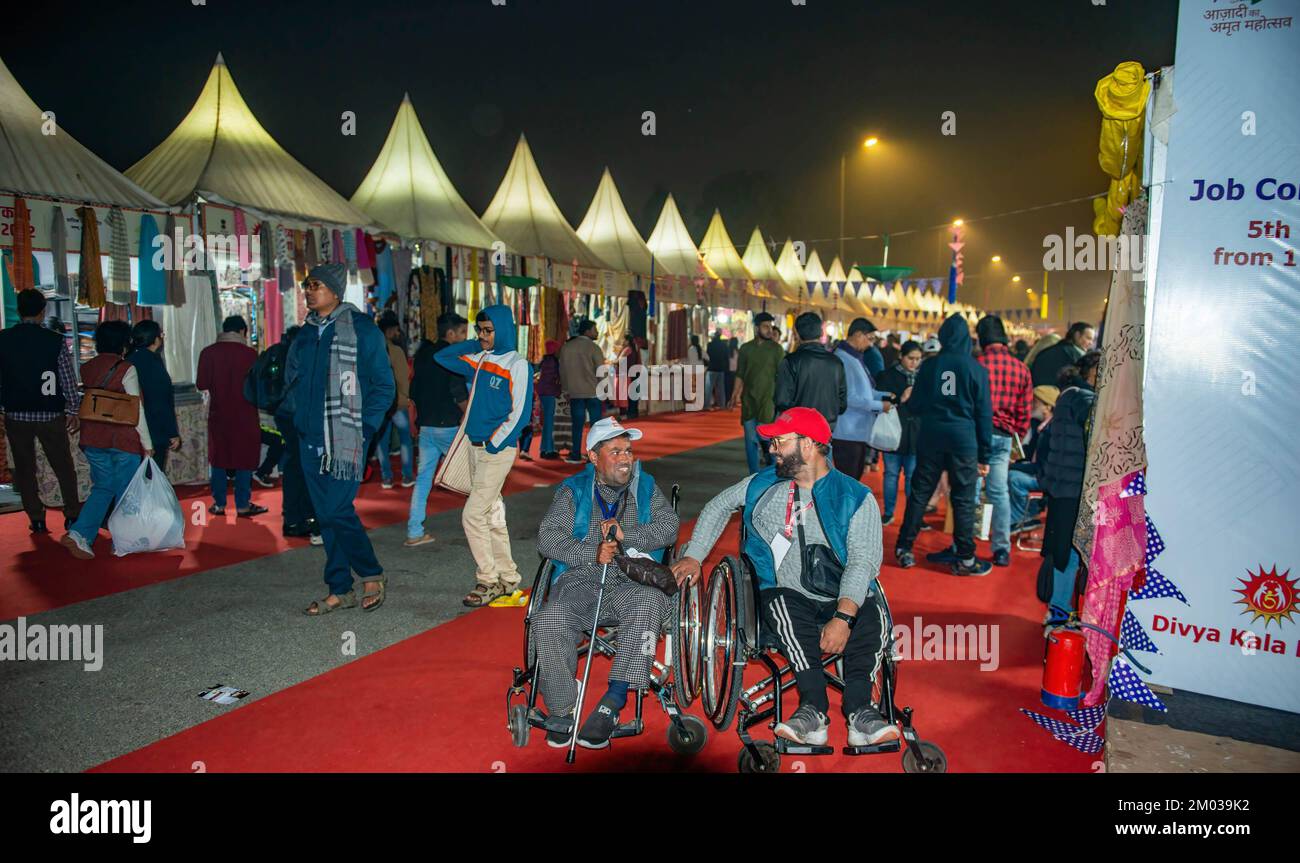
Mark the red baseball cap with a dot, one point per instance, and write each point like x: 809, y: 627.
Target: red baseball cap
x: 801, y: 421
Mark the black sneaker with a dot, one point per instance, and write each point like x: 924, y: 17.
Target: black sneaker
x: 302, y: 528
x: 974, y: 566
x: 596, y: 731
x: 559, y: 729
x: 1001, y: 558
x: 948, y: 555
x: 906, y: 560
x: 263, y: 481
x: 551, y: 456
x: 574, y: 459
x: 38, y: 526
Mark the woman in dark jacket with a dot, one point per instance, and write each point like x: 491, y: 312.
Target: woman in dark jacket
x: 1062, y: 476
x: 547, y: 391
x: 156, y: 393
x: 897, y: 380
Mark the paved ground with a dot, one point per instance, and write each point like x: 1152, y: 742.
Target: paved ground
x: 243, y: 625
x: 1132, y: 747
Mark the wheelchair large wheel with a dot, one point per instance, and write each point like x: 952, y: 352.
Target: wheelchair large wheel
x: 937, y: 761
x: 768, y: 761
x: 688, y: 640
x: 721, y: 645
x: 691, y: 739
x: 537, y: 596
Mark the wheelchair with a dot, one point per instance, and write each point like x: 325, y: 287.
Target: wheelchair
x: 734, y: 635
x: 674, y: 681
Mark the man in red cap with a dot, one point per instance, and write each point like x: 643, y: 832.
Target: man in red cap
x: 797, y: 513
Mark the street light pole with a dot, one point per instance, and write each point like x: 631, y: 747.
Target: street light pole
x: 843, y: 157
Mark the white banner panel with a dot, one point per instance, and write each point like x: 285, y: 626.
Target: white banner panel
x: 1223, y: 360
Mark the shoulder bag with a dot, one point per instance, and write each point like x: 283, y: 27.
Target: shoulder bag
x: 107, y: 406
x: 454, y: 473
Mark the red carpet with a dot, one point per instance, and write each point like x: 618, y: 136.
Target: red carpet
x: 435, y: 702
x: 36, y: 574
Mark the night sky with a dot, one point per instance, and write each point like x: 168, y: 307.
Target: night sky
x: 755, y: 102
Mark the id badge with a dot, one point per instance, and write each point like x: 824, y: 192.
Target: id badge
x: 780, y: 546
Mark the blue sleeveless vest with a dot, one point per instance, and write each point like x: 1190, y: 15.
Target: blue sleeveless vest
x: 836, y: 498
x: 582, y: 485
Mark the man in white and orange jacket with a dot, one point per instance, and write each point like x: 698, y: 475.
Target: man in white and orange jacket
x: 501, y: 403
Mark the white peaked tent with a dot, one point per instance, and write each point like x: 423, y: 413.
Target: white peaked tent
x: 672, y: 245
x: 608, y: 231
x: 33, y: 163
x: 526, y: 217
x: 814, y: 276
x: 408, y: 191
x: 220, y: 152
x: 767, y: 281
x: 792, y: 273
x: 720, y: 254
x: 839, y: 286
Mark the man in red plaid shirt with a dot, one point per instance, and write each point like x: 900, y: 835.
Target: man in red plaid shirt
x: 1012, y: 390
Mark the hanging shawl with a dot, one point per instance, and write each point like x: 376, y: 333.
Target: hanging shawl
x: 23, y: 275
x: 59, y: 248
x: 91, y: 289
x: 153, y: 279
x: 174, y: 278
x: 266, y: 246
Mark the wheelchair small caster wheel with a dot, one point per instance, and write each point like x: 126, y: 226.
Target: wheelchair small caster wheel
x: 518, y: 723
x: 936, y: 761
x: 769, y: 760
x: 690, y: 739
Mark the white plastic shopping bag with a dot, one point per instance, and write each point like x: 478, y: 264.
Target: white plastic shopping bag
x: 886, y: 432
x: 147, y: 516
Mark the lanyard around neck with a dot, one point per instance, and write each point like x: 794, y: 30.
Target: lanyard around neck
x: 791, y: 514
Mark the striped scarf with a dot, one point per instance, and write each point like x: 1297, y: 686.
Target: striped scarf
x: 908, y: 374
x: 345, y: 440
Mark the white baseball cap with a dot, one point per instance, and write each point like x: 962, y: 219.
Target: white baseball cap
x: 609, y: 427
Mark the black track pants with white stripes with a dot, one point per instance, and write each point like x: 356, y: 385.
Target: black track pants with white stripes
x: 798, y: 621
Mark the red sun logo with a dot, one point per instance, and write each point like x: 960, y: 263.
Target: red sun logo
x: 1269, y: 595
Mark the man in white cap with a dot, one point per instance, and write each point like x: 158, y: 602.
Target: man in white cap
x: 611, y: 493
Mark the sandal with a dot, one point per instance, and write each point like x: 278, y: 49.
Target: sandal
x: 323, y: 606
x: 216, y: 510
x: 253, y: 509
x: 482, y: 595
x: 378, y: 601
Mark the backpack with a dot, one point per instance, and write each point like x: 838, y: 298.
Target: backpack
x: 264, y: 384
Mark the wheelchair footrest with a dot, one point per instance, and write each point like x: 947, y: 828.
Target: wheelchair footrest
x: 874, y: 749
x: 628, y: 729
x: 786, y: 747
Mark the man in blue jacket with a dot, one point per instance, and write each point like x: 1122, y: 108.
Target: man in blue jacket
x: 342, y: 386
x: 500, y: 405
x: 951, y: 395
x: 849, y: 448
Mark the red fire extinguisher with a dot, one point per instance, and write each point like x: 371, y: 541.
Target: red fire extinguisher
x: 1063, y: 668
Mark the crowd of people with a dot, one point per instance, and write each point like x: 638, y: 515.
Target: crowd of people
x: 980, y: 421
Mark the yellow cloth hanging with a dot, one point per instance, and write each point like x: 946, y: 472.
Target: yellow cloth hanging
x: 1121, y: 97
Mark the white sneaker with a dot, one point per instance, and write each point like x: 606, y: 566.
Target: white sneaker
x: 388, y: 483
x: 317, y: 539
x: 807, y: 725
x: 867, y: 728
x: 74, y: 543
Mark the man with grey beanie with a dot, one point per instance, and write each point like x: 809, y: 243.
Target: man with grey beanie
x: 342, y: 386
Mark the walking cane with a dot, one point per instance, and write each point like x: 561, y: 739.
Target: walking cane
x: 591, y: 651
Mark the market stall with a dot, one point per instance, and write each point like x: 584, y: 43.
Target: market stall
x: 60, y: 204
